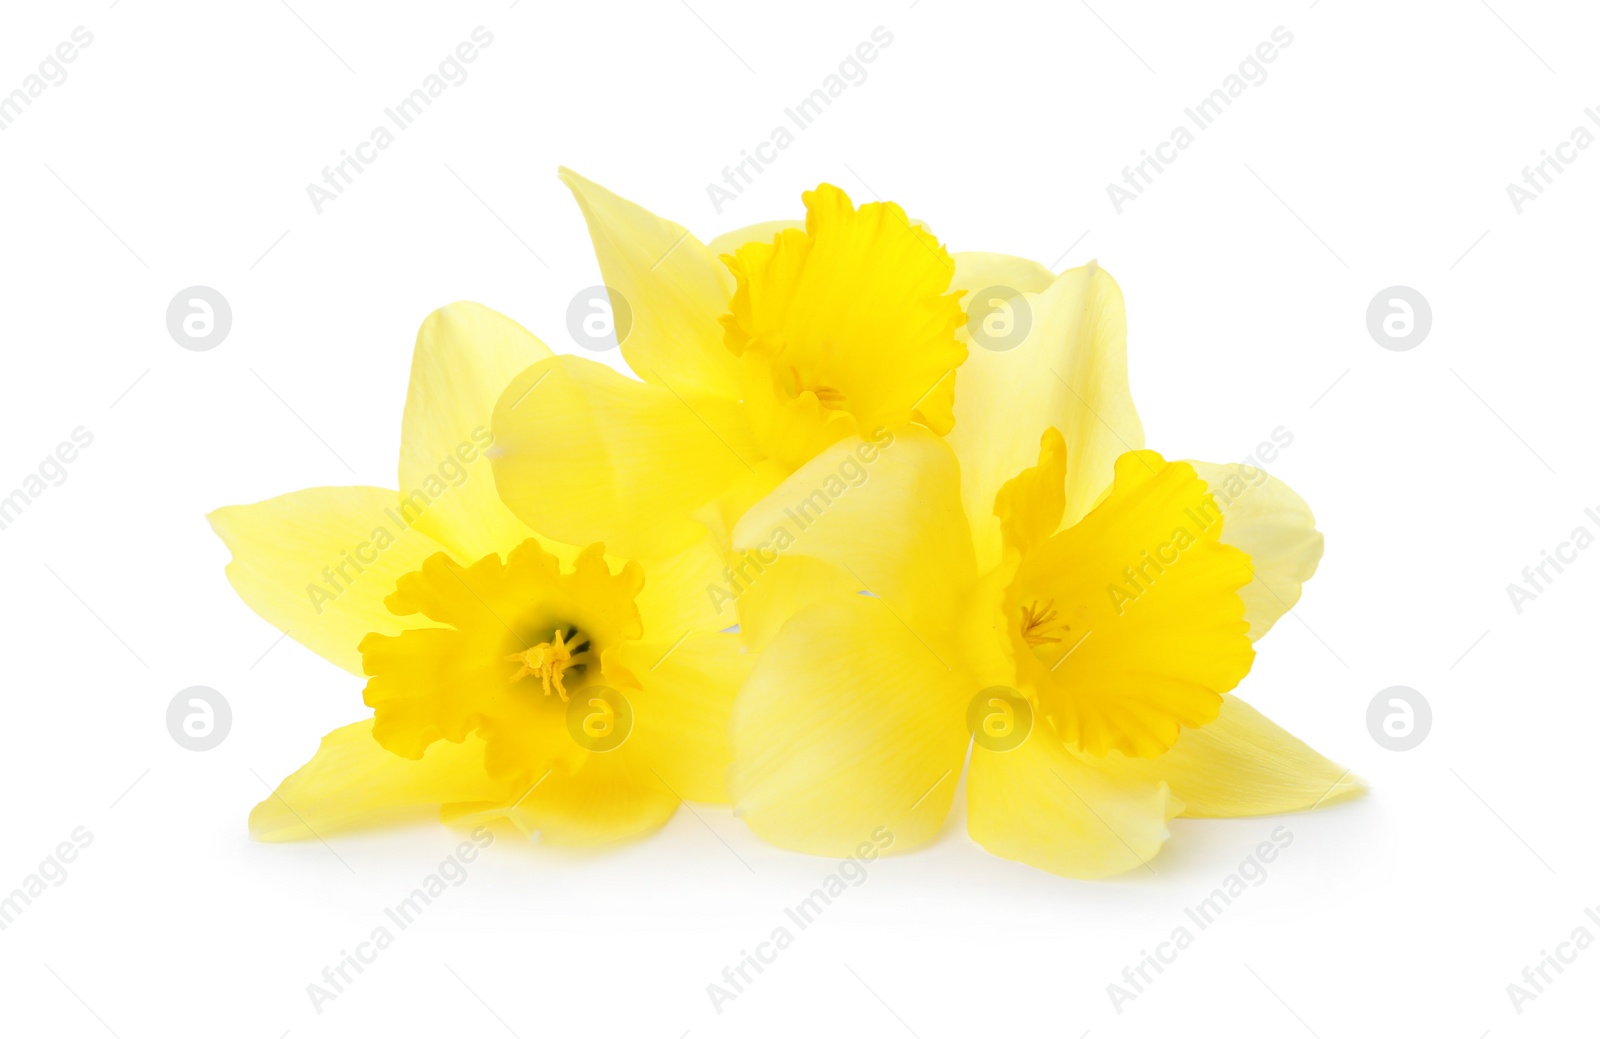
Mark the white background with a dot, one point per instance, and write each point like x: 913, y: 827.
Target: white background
x: 1376, y: 153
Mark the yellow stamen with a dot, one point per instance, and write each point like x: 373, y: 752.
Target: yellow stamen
x: 548, y: 660
x: 1037, y: 621
x: 794, y: 384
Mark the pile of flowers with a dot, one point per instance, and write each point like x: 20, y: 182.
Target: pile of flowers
x: 869, y: 514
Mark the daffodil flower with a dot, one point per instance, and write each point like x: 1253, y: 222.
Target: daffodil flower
x: 579, y: 696
x: 1038, y: 562
x: 753, y: 353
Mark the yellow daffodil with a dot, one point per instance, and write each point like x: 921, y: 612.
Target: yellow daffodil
x: 578, y: 695
x: 1083, y: 606
x: 753, y: 353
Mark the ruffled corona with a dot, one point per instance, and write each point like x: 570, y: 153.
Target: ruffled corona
x: 1129, y: 624
x: 844, y: 326
x: 520, y: 638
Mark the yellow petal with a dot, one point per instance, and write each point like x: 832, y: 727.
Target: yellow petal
x: 1243, y: 764
x: 1129, y: 624
x: 765, y: 231
x: 847, y: 724
x: 679, y: 594
x: 976, y: 271
x: 353, y: 783
x: 1274, y: 525
x: 1040, y: 804
x: 681, y: 711
x: 767, y: 595
x: 1029, y: 505
x: 318, y: 564
x: 465, y: 356
x: 675, y: 287
x: 1069, y: 371
x: 720, y: 514
x: 611, y: 797
x: 887, y: 512
x: 584, y: 454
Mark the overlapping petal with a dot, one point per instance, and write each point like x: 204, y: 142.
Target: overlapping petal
x: 465, y: 356
x: 1243, y: 764
x: 728, y: 242
x: 1069, y: 371
x: 607, y: 798
x: 682, y: 710
x: 848, y: 723
x: 1041, y: 804
x: 679, y: 594
x: 1272, y: 524
x: 887, y: 512
x: 352, y: 783
x: 584, y: 454
x: 675, y: 286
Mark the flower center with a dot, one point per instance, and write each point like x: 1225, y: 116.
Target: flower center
x: 504, y: 629
x: 1038, y: 623
x: 1125, y: 657
x: 794, y: 384
x: 549, y: 661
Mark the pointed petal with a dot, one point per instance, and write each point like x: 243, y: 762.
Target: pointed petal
x: 585, y: 454
x: 1069, y: 370
x: 1243, y: 764
x: 681, y: 713
x: 888, y: 512
x: 353, y: 783
x: 1041, y: 804
x: 674, y: 285
x: 848, y: 724
x: 318, y: 564
x: 1274, y: 525
x: 768, y: 595
x: 466, y: 354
